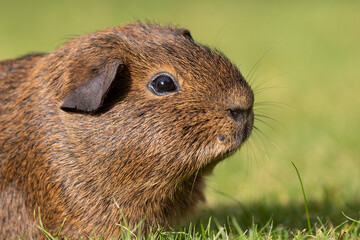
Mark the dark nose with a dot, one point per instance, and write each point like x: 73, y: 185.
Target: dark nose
x: 238, y: 114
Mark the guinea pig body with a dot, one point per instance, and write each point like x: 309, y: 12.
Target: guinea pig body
x: 123, y: 123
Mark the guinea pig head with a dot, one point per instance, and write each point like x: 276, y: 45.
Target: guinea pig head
x: 154, y: 99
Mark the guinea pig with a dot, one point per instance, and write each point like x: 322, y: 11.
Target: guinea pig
x: 122, y: 124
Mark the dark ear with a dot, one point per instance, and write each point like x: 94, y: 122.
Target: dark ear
x: 186, y: 33
x: 89, y: 96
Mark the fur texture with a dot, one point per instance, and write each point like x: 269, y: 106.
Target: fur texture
x: 83, y: 138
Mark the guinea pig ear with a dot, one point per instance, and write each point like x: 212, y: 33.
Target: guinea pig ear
x: 89, y: 96
x: 186, y: 33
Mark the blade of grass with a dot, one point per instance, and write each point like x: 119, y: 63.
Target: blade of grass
x: 237, y: 226
x: 266, y: 225
x: 305, y: 202
x: 351, y: 219
x: 41, y: 227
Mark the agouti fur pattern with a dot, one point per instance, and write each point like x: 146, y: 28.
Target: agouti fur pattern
x: 119, y: 124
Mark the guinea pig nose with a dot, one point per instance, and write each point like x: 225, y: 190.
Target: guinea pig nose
x: 237, y: 113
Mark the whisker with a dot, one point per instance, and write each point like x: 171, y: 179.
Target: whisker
x: 256, y: 136
x: 250, y: 154
x: 267, y: 124
x: 269, y: 103
x: 273, y: 104
x: 251, y: 74
x: 261, y: 147
x: 250, y: 150
x: 267, y: 117
x: 260, y: 117
x: 258, y: 131
x: 217, y: 36
x: 255, y: 67
x: 263, y: 89
x: 261, y: 110
x: 255, y: 88
x: 193, y: 184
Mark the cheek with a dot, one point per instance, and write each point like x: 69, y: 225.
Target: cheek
x: 226, y: 137
x: 211, y: 137
x: 223, y: 135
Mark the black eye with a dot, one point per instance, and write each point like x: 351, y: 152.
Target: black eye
x: 163, y: 83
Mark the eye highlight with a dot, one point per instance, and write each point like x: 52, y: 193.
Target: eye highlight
x: 162, y: 84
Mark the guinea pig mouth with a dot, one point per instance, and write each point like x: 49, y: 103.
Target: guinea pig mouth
x: 239, y: 138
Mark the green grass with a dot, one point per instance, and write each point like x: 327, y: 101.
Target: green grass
x: 213, y: 229
x: 311, y: 89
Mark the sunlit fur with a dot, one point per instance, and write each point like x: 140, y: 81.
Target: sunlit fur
x: 138, y: 155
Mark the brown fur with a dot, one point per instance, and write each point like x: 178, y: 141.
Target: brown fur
x: 90, y: 154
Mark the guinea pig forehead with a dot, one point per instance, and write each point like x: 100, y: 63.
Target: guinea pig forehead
x: 154, y: 68
x: 183, y: 59
x: 151, y: 61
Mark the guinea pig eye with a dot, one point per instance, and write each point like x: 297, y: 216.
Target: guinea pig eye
x: 163, y: 83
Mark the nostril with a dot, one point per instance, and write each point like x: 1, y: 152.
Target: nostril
x: 237, y: 113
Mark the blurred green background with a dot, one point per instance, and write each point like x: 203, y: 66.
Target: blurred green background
x: 309, y: 77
